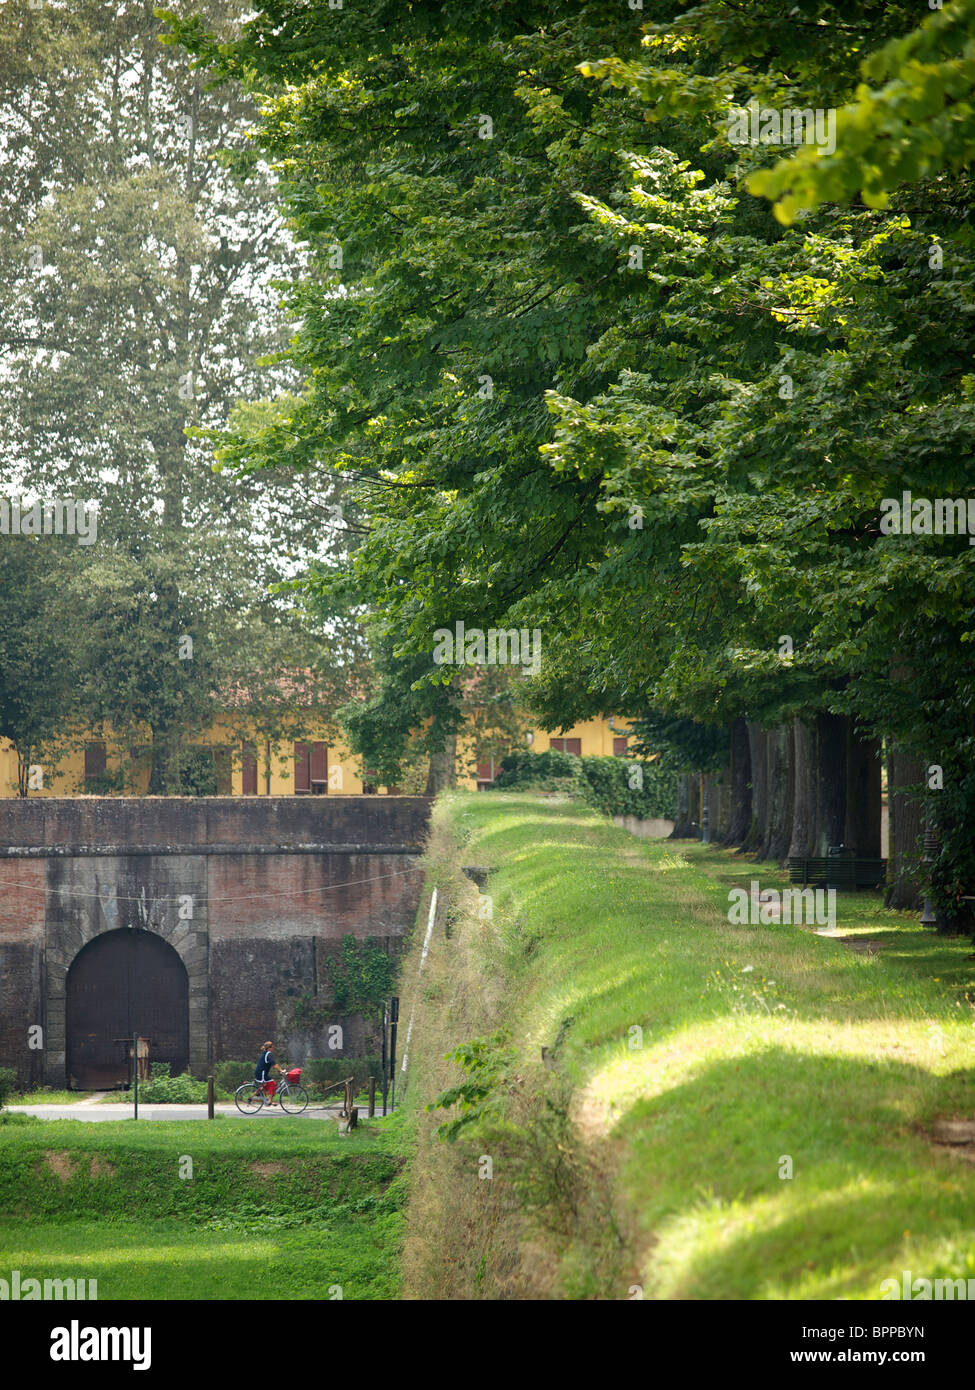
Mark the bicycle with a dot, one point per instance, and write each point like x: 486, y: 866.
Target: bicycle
x: 252, y: 1096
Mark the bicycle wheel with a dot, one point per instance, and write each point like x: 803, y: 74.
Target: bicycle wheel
x: 249, y: 1098
x: 294, y: 1100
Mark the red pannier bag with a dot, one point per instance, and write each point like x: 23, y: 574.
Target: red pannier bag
x: 294, y: 1076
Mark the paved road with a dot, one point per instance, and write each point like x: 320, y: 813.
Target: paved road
x: 92, y: 1111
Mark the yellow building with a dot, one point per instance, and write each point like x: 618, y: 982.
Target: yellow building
x: 594, y: 738
x: 240, y: 767
x: 245, y: 765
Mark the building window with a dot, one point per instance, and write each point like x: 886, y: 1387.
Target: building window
x: 319, y: 769
x: 95, y: 762
x: 619, y: 747
x: 566, y: 745
x: 311, y: 769
x: 302, y: 770
x: 248, y: 770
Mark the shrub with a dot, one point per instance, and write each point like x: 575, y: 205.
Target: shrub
x: 163, y: 1089
x: 603, y: 783
x: 8, y: 1078
x: 610, y: 791
x: 227, y: 1076
x: 548, y: 771
x: 198, y: 775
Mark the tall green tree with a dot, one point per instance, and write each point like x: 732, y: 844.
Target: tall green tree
x: 586, y: 382
x: 137, y: 264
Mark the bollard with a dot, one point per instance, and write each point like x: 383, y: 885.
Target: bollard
x: 393, y: 1025
x: 372, y: 1096
x: 209, y: 1097
x: 385, y: 1055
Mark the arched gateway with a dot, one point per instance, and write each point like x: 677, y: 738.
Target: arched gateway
x: 122, y: 983
x: 99, y: 896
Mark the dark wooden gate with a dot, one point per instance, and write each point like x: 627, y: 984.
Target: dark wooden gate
x: 121, y: 983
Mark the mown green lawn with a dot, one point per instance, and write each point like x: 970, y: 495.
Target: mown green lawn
x: 204, y: 1210
x: 711, y: 1060
x: 45, y: 1096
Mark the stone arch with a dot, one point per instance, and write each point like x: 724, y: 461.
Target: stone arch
x: 91, y: 897
x: 120, y: 983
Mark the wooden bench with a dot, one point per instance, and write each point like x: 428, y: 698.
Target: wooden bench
x: 849, y: 874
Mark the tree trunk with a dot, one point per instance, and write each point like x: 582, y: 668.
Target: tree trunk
x: 862, y: 828
x: 802, y: 845
x: 694, y: 803
x: 441, y: 773
x: 906, y: 828
x: 164, y: 777
x: 758, y: 752
x: 830, y: 781
x: 684, y: 829
x: 780, y: 793
x: 721, y: 805
x: 740, y: 817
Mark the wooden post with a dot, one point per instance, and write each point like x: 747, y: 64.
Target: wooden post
x: 372, y: 1096
x: 393, y: 1025
x: 209, y: 1097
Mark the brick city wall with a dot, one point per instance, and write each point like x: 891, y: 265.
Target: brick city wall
x: 254, y: 894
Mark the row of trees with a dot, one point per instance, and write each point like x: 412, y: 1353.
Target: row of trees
x: 585, y: 381
x: 137, y: 298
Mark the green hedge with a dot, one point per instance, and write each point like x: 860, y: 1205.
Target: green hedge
x: 163, y: 1089
x: 602, y: 782
x: 227, y: 1076
x: 8, y: 1077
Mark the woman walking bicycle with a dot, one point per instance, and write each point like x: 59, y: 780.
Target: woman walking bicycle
x: 254, y: 1095
x: 262, y: 1072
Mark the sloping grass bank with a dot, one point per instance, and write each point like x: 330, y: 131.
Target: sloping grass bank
x: 724, y: 1111
x: 203, y: 1210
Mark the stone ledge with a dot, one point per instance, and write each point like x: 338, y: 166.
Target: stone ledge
x: 191, y: 851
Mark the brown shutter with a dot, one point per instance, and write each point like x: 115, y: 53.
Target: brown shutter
x: 94, y: 761
x: 302, y: 768
x: 619, y: 747
x: 566, y: 745
x: 319, y: 767
x: 248, y: 769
